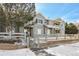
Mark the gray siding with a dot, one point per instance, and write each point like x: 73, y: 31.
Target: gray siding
x: 35, y: 30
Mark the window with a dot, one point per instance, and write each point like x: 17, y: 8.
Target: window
x: 57, y: 31
x: 50, y: 30
x: 56, y: 23
x: 36, y: 20
x: 44, y: 30
x: 46, y: 21
x: 40, y: 21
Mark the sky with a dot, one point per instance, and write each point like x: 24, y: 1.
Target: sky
x: 69, y: 12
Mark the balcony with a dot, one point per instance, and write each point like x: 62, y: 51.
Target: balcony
x: 52, y: 26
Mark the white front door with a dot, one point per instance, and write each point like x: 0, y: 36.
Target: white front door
x: 39, y: 31
x: 48, y: 31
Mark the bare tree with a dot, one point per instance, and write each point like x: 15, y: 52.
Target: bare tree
x: 18, y: 13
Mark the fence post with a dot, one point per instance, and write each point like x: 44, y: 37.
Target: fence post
x: 56, y: 36
x: 26, y: 39
x: 10, y: 35
x: 64, y: 36
x: 78, y: 36
x: 38, y: 44
x: 25, y: 35
x: 46, y: 37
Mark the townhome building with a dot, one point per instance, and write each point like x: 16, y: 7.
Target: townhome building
x: 77, y: 25
x: 41, y: 26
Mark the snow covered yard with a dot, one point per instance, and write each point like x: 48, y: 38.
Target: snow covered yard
x: 64, y: 50
x: 18, y: 52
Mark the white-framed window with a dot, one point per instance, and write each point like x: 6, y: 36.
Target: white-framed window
x: 39, y: 21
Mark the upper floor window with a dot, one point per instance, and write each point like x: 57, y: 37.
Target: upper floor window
x: 36, y: 20
x: 39, y: 21
x: 46, y: 22
x: 57, y: 31
x: 56, y: 23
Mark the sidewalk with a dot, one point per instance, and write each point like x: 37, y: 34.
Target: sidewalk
x: 18, y: 52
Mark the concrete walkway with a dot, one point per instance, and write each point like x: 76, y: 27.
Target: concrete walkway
x: 18, y: 52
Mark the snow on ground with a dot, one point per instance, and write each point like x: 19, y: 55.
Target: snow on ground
x: 42, y: 53
x: 64, y: 50
x: 18, y: 52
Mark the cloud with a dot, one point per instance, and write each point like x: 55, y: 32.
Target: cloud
x: 70, y: 20
x: 69, y: 13
x: 77, y: 21
x: 71, y: 16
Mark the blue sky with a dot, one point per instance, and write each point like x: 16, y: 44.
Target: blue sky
x: 69, y: 12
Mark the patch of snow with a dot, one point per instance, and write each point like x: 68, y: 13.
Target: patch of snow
x: 18, y: 52
x: 23, y: 42
x: 64, y: 50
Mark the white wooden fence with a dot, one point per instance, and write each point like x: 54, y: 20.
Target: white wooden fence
x: 10, y: 35
x: 13, y: 36
x: 56, y: 37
